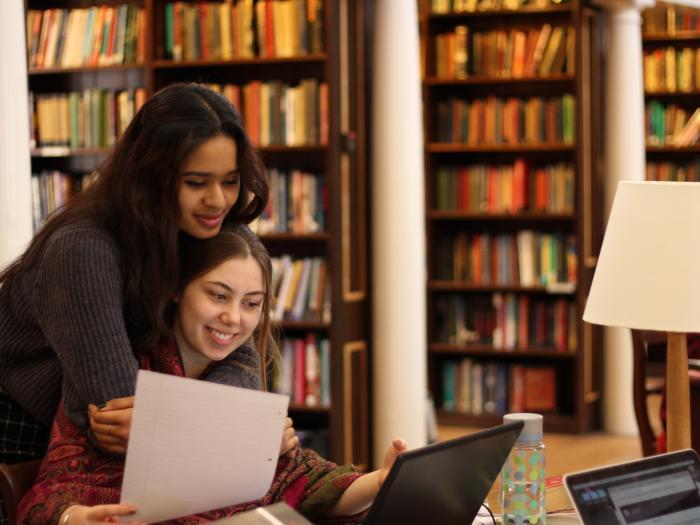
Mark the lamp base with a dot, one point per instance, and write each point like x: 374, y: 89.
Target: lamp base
x: 677, y: 393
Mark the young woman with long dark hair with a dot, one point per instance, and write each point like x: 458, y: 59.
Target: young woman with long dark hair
x: 89, y: 294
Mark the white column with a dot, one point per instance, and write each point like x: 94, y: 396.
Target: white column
x: 15, y: 170
x: 398, y: 230
x: 624, y: 160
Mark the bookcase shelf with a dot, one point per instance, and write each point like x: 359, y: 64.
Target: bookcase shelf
x: 681, y: 37
x: 83, y: 69
x: 436, y: 285
x: 438, y: 147
x: 306, y: 409
x: 332, y: 63
x: 686, y: 150
x: 492, y: 352
x: 523, y: 12
x: 172, y: 64
x: 305, y: 325
x: 295, y: 237
x: 690, y: 96
x: 487, y: 340
x: 452, y: 215
x: 454, y: 82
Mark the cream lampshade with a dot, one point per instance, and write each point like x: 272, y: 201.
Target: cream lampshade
x: 648, y: 277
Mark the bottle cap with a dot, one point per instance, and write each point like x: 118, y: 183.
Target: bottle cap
x: 532, y: 429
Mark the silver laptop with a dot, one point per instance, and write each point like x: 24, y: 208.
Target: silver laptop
x: 658, y: 490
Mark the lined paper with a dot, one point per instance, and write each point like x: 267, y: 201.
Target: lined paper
x: 196, y: 446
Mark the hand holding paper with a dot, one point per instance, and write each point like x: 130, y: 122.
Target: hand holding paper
x: 197, y: 446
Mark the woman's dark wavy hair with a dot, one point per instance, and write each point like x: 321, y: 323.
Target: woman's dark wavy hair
x: 135, y: 198
x: 199, y: 256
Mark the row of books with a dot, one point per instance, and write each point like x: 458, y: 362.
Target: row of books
x: 305, y: 370
x: 673, y: 171
x: 507, y: 321
x: 526, y: 258
x: 51, y: 189
x: 298, y: 203
x: 495, y: 120
x: 242, y: 29
x: 672, y: 70
x: 281, y: 114
x: 485, y: 388
x: 670, y: 124
x: 670, y: 19
x: 472, y: 6
x: 505, y: 188
x: 301, y: 289
x: 515, y: 53
x: 92, y: 118
x: 93, y: 36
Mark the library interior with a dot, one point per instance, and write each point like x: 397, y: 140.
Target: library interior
x: 469, y: 208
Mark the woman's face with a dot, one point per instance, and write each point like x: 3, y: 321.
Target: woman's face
x: 218, y: 311
x: 209, y: 187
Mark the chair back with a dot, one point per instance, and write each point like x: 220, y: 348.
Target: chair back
x: 649, y: 365
x: 15, y: 481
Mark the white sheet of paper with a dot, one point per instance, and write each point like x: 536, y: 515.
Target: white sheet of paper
x: 196, y: 446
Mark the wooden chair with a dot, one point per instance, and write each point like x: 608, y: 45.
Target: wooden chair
x: 649, y: 350
x: 15, y: 481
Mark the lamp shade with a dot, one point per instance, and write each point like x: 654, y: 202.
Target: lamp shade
x: 648, y: 271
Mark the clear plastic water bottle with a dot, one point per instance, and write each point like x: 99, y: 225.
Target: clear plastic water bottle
x: 523, y: 475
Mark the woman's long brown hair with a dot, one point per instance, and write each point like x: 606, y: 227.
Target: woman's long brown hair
x: 135, y: 198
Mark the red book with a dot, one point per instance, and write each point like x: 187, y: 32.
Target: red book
x: 203, y: 32
x: 540, y: 389
x: 523, y: 321
x: 111, y: 40
x: 519, y: 186
x: 323, y: 112
x: 541, y: 190
x: 463, y: 188
x: 269, y: 30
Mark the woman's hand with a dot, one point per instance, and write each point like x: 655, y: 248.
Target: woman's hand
x: 397, y: 446
x: 361, y: 492
x: 289, y: 437
x: 97, y: 515
x: 111, y: 423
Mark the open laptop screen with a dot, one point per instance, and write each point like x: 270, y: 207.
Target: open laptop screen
x: 659, y: 490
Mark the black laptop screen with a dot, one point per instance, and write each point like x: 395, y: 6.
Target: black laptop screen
x: 660, y: 490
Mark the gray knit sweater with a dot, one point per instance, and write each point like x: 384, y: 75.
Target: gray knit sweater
x: 62, y: 331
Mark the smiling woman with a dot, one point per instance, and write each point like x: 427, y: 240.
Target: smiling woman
x: 90, y: 293
x: 209, y: 187
x: 219, y: 310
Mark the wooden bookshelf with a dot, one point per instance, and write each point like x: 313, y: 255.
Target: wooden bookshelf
x: 481, y: 191
x: 341, y: 161
x: 670, y: 39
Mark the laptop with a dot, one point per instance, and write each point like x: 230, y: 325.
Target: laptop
x: 659, y: 490
x: 445, y: 483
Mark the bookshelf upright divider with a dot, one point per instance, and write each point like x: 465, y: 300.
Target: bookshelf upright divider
x: 283, y: 64
x: 511, y: 150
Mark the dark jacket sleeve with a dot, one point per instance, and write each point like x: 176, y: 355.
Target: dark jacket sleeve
x: 241, y: 368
